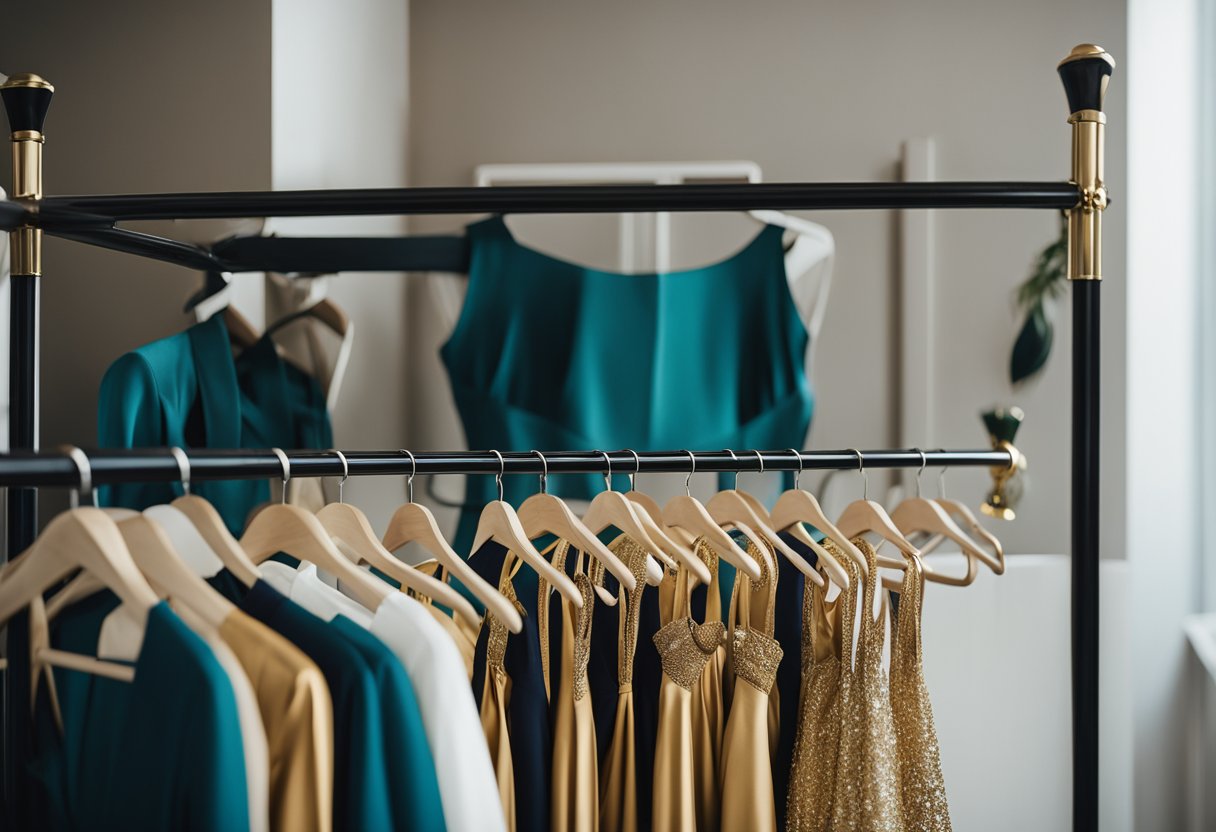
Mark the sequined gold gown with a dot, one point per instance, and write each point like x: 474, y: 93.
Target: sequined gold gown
x: 618, y: 789
x: 867, y: 795
x: 574, y: 792
x: 746, y: 774
x: 689, y: 743
x: 817, y: 740
x: 922, y: 789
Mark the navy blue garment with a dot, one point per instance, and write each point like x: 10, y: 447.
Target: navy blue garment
x: 528, y: 713
x: 787, y: 629
x: 361, y: 793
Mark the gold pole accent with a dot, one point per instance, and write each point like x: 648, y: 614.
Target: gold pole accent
x: 1089, y: 175
x: 26, y: 241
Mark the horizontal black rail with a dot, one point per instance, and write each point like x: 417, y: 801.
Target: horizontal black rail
x: 152, y: 247
x: 159, y: 465
x: 555, y: 199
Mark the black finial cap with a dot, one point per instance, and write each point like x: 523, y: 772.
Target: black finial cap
x: 26, y: 99
x: 1085, y: 73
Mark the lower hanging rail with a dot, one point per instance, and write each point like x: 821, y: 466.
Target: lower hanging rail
x: 160, y: 465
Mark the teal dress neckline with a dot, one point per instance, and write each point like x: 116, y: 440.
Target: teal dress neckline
x: 555, y: 355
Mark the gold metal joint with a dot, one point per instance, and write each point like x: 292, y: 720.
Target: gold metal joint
x: 27, y: 79
x: 25, y: 250
x: 1087, y: 50
x: 1087, y: 115
x: 1006, y: 486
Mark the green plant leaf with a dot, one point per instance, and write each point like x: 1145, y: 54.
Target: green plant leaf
x: 1033, y: 345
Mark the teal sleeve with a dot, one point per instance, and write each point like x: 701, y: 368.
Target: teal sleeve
x: 130, y: 415
x: 218, y: 789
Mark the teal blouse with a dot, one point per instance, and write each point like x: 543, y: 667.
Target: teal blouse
x: 553, y: 355
x: 189, y: 391
x: 161, y: 752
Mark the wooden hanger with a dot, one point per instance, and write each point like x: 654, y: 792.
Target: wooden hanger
x: 212, y: 527
x: 990, y: 552
x: 796, y: 507
x: 325, y: 311
x: 80, y: 538
x: 500, y: 523
x: 175, y: 540
x: 651, y: 515
x: 414, y: 523
x: 686, y: 512
x: 732, y: 506
x: 296, y: 532
x: 544, y: 513
x: 349, y: 527
x: 240, y: 331
x: 918, y: 515
x: 610, y: 508
x: 865, y: 516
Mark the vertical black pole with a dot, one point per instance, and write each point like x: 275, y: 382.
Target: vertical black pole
x: 1085, y: 73
x: 1086, y: 308
x: 26, y: 98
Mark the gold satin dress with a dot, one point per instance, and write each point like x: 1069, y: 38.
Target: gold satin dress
x: 691, y: 724
x: 496, y: 695
x: 297, y: 714
x: 462, y: 632
x: 922, y: 788
x: 746, y: 774
x: 574, y: 792
x: 618, y: 780
x: 817, y: 739
x: 867, y: 793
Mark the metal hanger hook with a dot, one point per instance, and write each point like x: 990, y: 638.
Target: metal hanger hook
x: 286, y: 464
x: 183, y: 468
x: 544, y: 472
x: 502, y: 469
x: 924, y: 461
x: 941, y: 479
x: 608, y: 473
x: 760, y: 459
x: 861, y: 469
x: 735, y: 486
x: 798, y: 473
x: 409, y: 481
x: 84, y: 483
x: 692, y: 460
x: 637, y: 469
x: 345, y: 474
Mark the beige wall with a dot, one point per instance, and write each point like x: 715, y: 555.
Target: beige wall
x: 135, y: 109
x: 813, y: 91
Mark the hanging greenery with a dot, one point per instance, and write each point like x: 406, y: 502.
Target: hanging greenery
x: 1036, y: 300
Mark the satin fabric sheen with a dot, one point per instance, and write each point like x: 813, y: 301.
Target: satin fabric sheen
x: 714, y: 358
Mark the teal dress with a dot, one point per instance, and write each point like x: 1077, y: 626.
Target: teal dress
x: 413, y: 786
x: 161, y: 752
x: 189, y: 391
x: 361, y: 786
x: 552, y: 355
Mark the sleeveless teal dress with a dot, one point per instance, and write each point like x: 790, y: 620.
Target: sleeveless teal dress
x: 551, y: 355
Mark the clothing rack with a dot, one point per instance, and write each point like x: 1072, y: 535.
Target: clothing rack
x: 92, y: 220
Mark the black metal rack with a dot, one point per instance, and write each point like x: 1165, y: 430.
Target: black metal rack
x: 92, y: 220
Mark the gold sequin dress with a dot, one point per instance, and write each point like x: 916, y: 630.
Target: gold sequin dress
x: 496, y: 696
x: 689, y: 743
x: 574, y: 792
x: 922, y: 789
x: 867, y: 795
x: 618, y: 780
x: 746, y: 774
x: 817, y: 740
